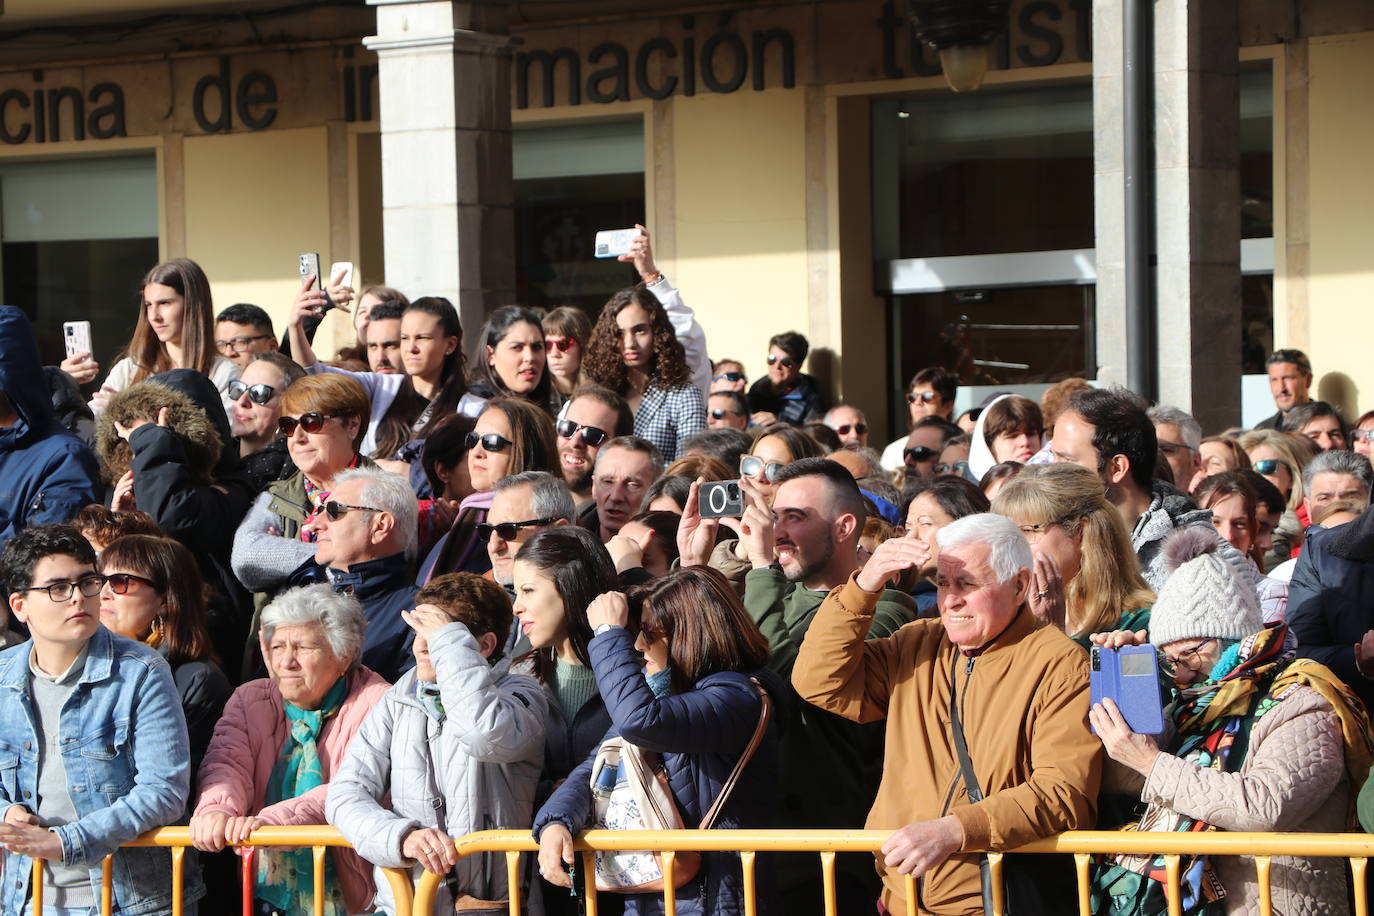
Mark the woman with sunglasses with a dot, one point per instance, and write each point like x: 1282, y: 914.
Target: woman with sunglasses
x: 566, y: 332
x: 175, y: 330
x: 510, y: 437
x: 634, y: 351
x: 257, y: 397
x: 322, y: 420
x: 1362, y: 434
x: 1280, y: 458
x: 1256, y: 740
x: 786, y: 394
x: 154, y: 594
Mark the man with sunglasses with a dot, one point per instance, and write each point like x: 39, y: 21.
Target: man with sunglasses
x: 727, y: 410
x: 257, y: 397
x: 243, y: 331
x: 930, y: 394
x: 593, y: 416
x: 786, y: 393
x: 850, y: 424
x: 99, y: 743
x: 729, y: 376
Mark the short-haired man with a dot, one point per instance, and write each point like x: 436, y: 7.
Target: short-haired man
x: 1023, y: 695
x: 728, y: 375
x: 786, y: 394
x: 1179, y: 438
x: 850, y: 424
x: 806, y: 545
x: 94, y: 725
x: 243, y: 331
x: 522, y: 505
x: 1334, y: 476
x: 625, y: 467
x: 1318, y: 422
x: 727, y: 410
x: 257, y: 396
x: 930, y: 393
x: 924, y: 444
x: 1108, y: 431
x: 1290, y: 377
x: 594, y: 416
x: 725, y: 445
x: 384, y: 338
x: 364, y: 539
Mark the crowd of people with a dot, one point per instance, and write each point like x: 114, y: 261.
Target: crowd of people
x: 413, y: 597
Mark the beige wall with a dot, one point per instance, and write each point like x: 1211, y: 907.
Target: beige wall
x: 254, y: 202
x: 1341, y: 283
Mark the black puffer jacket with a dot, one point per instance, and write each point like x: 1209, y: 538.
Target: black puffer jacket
x: 1331, y: 598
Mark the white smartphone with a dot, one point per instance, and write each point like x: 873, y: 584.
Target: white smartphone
x: 346, y: 267
x: 612, y: 243
x: 77, y: 336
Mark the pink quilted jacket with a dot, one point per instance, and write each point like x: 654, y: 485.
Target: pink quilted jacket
x: 1293, y: 779
x: 247, y: 741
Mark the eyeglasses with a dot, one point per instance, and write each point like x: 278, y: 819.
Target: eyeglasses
x: 1032, y: 533
x: 958, y: 467
x: 1267, y: 466
x: 860, y: 429
x: 1362, y: 435
x: 238, y: 343
x: 730, y: 376
x: 258, y: 394
x: 753, y: 466
x: 591, y: 435
x: 508, y: 530
x: 561, y: 344
x: 924, y: 396
x: 1188, y: 657
x: 119, y: 582
x: 919, y: 454
x: 312, y: 422
x: 336, y: 510
x: 491, y: 442
x: 1170, y: 448
x: 58, y: 592
x: 720, y: 413
x: 787, y: 361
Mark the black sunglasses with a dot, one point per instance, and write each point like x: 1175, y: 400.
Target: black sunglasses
x: 119, y: 582
x: 311, y: 422
x: 508, y: 530
x: 730, y: 376
x: 258, y: 394
x: 336, y: 510
x: 787, y: 361
x: 926, y: 396
x: 919, y: 454
x: 592, y: 436
x: 859, y: 429
x: 491, y: 442
x: 720, y: 413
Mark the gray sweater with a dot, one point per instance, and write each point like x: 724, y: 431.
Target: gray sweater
x: 64, y: 885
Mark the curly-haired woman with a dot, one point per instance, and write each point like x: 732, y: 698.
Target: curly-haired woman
x: 635, y: 352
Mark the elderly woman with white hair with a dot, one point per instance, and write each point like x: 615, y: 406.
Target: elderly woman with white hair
x: 281, y: 739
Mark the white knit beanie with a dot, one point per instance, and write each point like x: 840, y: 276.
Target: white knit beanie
x: 1205, y: 596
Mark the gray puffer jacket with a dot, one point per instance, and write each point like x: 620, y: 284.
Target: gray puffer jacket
x: 475, y: 770
x: 1171, y: 509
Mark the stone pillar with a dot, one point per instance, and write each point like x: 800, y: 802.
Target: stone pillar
x: 447, y: 191
x: 1109, y: 192
x: 1197, y: 186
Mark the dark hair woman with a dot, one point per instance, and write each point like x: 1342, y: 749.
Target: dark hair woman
x: 690, y: 686
x: 512, y: 361
x: 566, y: 333
x: 635, y: 353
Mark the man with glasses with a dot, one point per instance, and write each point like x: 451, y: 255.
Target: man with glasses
x: 729, y: 375
x: 257, y: 396
x: 786, y: 394
x: 924, y: 445
x: 593, y: 416
x: 1180, y: 442
x: 100, y: 752
x: 727, y: 410
x: 930, y: 394
x: 850, y: 424
x: 522, y: 505
x: 364, y: 539
x: 243, y: 331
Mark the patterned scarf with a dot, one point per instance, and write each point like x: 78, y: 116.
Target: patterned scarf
x: 427, y: 693
x: 286, y: 878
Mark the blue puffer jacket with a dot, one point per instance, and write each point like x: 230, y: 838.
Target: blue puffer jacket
x: 1330, y: 597
x: 700, y: 735
x: 46, y: 473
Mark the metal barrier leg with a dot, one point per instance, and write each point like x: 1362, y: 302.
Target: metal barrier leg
x: 1359, y: 866
x: 828, y: 881
x: 913, y: 908
x: 318, y: 854
x: 1082, y: 861
x: 1171, y: 886
x: 999, y: 905
x: 512, y: 882
x: 38, y: 885
x: 249, y: 858
x: 589, y: 880
x: 178, y: 880
x: 107, y: 885
x: 746, y: 864
x: 669, y: 892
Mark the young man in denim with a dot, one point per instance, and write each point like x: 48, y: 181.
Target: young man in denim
x: 93, y: 748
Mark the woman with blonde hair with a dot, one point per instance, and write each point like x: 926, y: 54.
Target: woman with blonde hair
x: 1086, y: 578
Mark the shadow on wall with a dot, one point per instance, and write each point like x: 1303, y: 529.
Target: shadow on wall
x: 1340, y: 391
x: 824, y: 364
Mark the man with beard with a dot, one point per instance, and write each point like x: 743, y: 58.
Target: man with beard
x: 800, y: 550
x: 384, y: 338
x: 594, y: 416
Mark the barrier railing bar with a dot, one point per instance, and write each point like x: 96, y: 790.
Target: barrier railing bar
x: 1081, y: 862
x: 513, y: 882
x: 746, y: 861
x: 1266, y: 900
x: 1358, y: 869
x: 828, y: 881
x: 1172, y: 890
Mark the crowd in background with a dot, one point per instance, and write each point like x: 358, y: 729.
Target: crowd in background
x: 420, y: 588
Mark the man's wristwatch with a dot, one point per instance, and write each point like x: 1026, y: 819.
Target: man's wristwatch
x: 602, y: 628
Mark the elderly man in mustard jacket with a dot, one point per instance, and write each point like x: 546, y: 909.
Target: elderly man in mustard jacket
x: 1022, y: 692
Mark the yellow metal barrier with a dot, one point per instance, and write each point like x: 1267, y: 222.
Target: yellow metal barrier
x: 179, y: 838
x: 1356, y: 847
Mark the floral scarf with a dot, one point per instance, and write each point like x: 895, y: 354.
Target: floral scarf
x: 285, y: 878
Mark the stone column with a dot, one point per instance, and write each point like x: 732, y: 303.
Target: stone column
x: 1109, y: 192
x: 447, y: 192
x: 1197, y: 186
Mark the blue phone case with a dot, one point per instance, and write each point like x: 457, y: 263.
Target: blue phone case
x: 1130, y: 677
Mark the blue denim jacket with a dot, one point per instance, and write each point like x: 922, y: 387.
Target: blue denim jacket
x: 127, y: 759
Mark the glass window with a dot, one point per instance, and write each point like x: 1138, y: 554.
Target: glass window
x: 76, y: 237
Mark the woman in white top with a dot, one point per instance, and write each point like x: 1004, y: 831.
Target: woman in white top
x: 175, y: 330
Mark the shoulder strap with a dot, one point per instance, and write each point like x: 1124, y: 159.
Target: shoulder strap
x: 975, y: 793
x: 765, y: 712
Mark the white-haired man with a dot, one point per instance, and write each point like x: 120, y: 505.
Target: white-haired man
x: 364, y: 540
x: 1022, y: 699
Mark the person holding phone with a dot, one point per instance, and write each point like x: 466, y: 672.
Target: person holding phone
x: 175, y: 330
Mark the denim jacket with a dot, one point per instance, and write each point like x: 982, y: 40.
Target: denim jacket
x: 127, y: 759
